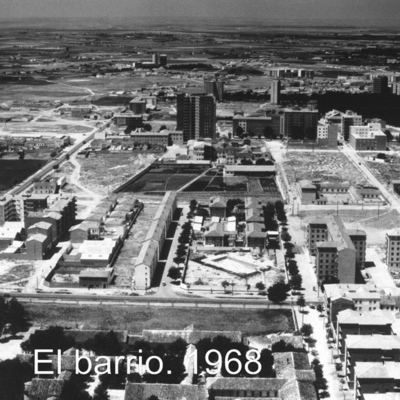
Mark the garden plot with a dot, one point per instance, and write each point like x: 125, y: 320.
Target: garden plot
x: 327, y: 166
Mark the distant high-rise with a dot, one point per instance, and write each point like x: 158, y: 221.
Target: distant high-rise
x: 196, y: 116
x: 214, y: 87
x: 275, y: 91
x: 380, y: 84
x: 163, y: 60
x: 156, y: 59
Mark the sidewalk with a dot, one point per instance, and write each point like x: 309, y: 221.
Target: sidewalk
x: 325, y: 355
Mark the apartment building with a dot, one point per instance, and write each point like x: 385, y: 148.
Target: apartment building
x: 367, y: 137
x: 196, y: 116
x: 327, y: 133
x: 337, y: 251
x: 266, y: 126
x: 392, y: 245
x: 299, y: 120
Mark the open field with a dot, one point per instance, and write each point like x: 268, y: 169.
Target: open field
x: 108, y: 171
x: 15, y: 273
x: 137, y: 318
x: 332, y: 167
x: 45, y: 128
x: 51, y: 91
x: 384, y: 172
x: 13, y: 172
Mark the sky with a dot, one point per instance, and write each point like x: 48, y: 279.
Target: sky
x: 370, y: 11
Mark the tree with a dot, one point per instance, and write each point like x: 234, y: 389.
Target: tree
x: 3, y: 313
x: 239, y: 131
x: 245, y: 161
x: 292, y: 267
x: 301, y: 302
x: 283, y: 347
x: 389, y: 136
x: 307, y: 330
x: 17, y: 316
x: 320, y: 308
x: 260, y: 286
x: 296, y: 281
x: 225, y: 284
x: 153, y: 397
x: 147, y: 127
x: 101, y: 393
x: 280, y: 210
x: 278, y: 292
x: 174, y: 273
x: 193, y: 205
x: 286, y: 237
x: 13, y: 375
x: 261, y: 161
x: 53, y: 154
x: 53, y: 338
x: 162, y: 127
x: 104, y: 344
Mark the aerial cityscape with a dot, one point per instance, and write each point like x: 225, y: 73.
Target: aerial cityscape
x: 199, y: 206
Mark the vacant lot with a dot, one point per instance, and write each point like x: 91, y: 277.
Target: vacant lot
x: 137, y: 318
x: 327, y: 166
x: 13, y: 172
x: 384, y: 172
x: 108, y: 171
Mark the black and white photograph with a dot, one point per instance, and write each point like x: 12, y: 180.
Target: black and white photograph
x: 199, y: 199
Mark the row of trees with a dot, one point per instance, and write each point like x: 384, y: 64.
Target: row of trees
x: 272, y: 212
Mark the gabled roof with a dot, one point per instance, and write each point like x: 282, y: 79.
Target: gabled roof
x: 371, y: 342
x: 376, y: 317
x: 247, y: 384
x: 217, y: 202
x: 147, y: 252
x: 377, y: 370
x: 45, y: 388
x: 215, y: 229
x: 142, y: 391
x: 254, y: 230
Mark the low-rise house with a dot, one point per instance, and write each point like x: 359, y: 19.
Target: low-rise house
x: 217, y: 207
x: 255, y: 235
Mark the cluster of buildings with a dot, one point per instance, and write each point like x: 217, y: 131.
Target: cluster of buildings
x: 245, y: 228
x: 95, y: 242
x: 321, y: 193
x: 350, y: 126
x: 157, y: 60
x: 366, y: 330
x: 17, y: 142
x: 288, y: 122
x: 294, y: 378
x: 338, y: 251
x: 286, y: 72
x: 32, y: 225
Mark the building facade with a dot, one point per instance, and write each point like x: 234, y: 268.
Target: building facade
x: 196, y: 116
